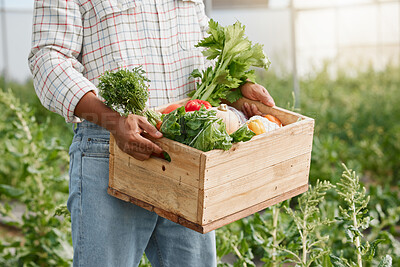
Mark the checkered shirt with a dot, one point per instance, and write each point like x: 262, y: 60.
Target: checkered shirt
x: 75, y: 41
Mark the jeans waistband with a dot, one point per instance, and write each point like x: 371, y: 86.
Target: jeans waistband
x: 87, y: 127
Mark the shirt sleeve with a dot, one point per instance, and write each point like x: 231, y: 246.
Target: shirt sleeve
x: 201, y: 15
x: 53, y: 60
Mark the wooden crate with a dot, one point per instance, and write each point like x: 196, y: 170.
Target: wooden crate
x: 206, y: 190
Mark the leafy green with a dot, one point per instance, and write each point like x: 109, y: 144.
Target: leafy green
x: 10, y: 191
x: 171, y: 126
x: 126, y: 91
x: 234, y: 55
x: 212, y: 136
x: 201, y: 129
x: 242, y: 134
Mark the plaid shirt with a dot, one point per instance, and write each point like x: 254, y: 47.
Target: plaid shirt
x: 76, y: 41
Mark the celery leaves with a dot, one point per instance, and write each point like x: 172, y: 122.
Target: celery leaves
x: 234, y: 54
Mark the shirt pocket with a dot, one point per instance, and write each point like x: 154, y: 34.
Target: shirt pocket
x: 121, y: 29
x: 189, y: 30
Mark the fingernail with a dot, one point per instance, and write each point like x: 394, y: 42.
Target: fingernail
x: 159, y: 134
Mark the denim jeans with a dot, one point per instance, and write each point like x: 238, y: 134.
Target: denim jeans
x: 109, y: 232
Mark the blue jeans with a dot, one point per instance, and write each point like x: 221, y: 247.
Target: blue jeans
x: 109, y: 232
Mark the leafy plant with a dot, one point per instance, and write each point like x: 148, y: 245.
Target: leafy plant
x: 234, y: 55
x: 201, y: 129
x: 33, y: 171
x: 308, y: 222
x: 354, y: 214
x: 126, y: 91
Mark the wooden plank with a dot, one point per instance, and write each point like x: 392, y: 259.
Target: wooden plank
x: 200, y: 207
x: 255, y: 187
x: 163, y: 213
x: 111, y: 191
x: 285, y: 116
x: 246, y: 157
x: 156, y: 189
x: 205, y: 228
x: 184, y: 169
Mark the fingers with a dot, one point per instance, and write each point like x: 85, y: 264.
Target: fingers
x: 264, y: 97
x: 130, y: 140
x: 250, y: 110
x: 140, y: 156
x: 150, y: 129
x: 140, y: 147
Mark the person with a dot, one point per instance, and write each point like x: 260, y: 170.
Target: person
x: 73, y: 44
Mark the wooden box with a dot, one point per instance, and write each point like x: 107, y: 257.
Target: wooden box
x: 206, y: 190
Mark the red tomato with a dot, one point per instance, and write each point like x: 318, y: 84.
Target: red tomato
x: 196, y: 104
x: 171, y: 108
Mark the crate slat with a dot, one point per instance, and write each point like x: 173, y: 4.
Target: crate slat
x: 277, y: 146
x: 156, y: 189
x: 253, y: 188
x: 206, y: 190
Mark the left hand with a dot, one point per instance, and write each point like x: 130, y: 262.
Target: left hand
x: 256, y: 92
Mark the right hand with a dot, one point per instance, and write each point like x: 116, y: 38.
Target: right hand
x: 128, y: 136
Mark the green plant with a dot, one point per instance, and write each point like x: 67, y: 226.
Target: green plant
x: 126, y: 91
x: 33, y: 176
x: 307, y: 218
x: 234, y: 55
x: 354, y: 214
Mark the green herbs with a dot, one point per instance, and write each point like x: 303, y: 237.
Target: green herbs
x: 354, y: 217
x: 242, y: 134
x: 234, y: 55
x: 126, y: 91
x: 200, y: 129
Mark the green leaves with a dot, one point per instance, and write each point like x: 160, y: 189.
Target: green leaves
x: 242, y: 134
x: 126, y: 91
x: 234, y: 55
x: 33, y: 179
x: 309, y: 222
x: 10, y: 191
x: 386, y: 262
x: 354, y: 217
x: 200, y: 129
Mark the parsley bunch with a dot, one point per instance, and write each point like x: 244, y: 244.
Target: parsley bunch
x: 234, y: 55
x: 126, y: 91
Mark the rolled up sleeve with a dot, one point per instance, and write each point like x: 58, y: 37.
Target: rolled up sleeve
x: 54, y: 57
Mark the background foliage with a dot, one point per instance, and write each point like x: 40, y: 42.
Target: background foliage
x: 357, y: 123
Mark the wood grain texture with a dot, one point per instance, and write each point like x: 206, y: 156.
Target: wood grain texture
x: 156, y: 189
x: 265, y: 150
x: 184, y: 169
x: 206, y: 190
x: 233, y: 196
x: 253, y: 209
x: 285, y: 116
x: 205, y: 228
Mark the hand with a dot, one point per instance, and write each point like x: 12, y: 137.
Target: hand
x: 126, y: 130
x: 257, y: 92
x: 128, y: 136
